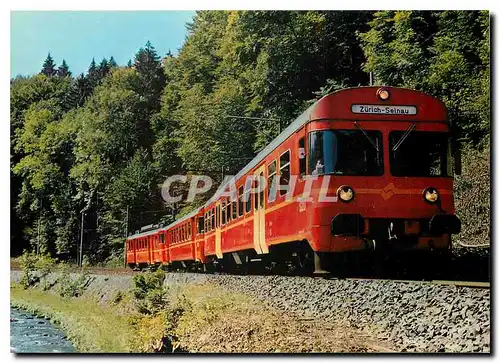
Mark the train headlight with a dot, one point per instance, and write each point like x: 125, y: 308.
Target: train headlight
x: 383, y: 94
x: 345, y: 193
x: 431, y: 195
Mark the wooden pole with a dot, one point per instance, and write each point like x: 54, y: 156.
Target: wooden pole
x: 126, y: 235
x: 80, y: 262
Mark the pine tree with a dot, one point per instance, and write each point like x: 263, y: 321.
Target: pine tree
x: 63, y: 70
x: 148, y: 65
x: 112, y: 63
x: 93, y: 74
x: 49, y: 67
x: 129, y: 64
x: 79, y: 91
x: 103, y: 68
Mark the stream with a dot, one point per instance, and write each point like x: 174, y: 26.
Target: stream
x: 30, y: 334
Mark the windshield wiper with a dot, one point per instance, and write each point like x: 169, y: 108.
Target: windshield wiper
x: 403, y: 138
x: 367, y: 136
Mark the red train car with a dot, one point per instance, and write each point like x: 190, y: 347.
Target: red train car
x: 362, y: 168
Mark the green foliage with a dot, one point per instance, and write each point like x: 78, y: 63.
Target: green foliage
x: 63, y: 70
x: 49, y: 67
x: 35, y: 268
x: 445, y: 54
x: 149, y: 292
x: 69, y: 285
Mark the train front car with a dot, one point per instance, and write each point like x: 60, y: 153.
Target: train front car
x: 386, y: 155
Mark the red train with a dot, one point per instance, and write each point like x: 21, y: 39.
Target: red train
x: 371, y: 168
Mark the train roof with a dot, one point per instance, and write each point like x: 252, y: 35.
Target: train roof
x: 153, y: 231
x: 285, y: 134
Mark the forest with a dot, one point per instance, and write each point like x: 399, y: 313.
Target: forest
x: 93, y: 149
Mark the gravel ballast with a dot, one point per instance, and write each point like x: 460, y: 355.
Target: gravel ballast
x: 414, y: 316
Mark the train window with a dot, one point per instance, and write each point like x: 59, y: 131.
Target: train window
x: 206, y: 222
x: 201, y: 222
x: 228, y: 211
x: 240, y: 201
x: 255, y: 194
x: 302, y: 157
x: 345, y: 152
x: 162, y: 238
x: 247, y: 197
x: 235, y: 212
x: 420, y: 153
x: 271, y: 172
x: 261, y: 190
x: 212, y: 226
x: 223, y: 213
x: 217, y: 216
x: 284, y: 171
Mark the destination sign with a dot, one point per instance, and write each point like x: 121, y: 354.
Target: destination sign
x: 384, y: 110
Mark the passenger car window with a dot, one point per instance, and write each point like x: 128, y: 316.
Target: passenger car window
x: 284, y: 170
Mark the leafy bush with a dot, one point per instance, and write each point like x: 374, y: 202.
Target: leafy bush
x: 160, y: 312
x: 149, y: 292
x: 149, y: 334
x: 35, y: 268
x: 69, y: 286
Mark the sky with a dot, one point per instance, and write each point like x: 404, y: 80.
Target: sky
x: 79, y: 36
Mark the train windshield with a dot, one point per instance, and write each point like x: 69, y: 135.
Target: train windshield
x: 419, y: 153
x: 345, y: 152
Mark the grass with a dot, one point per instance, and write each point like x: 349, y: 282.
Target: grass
x: 91, y: 327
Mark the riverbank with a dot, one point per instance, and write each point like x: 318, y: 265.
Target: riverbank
x: 90, y: 326
x: 199, y: 317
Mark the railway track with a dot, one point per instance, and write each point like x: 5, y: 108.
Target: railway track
x: 458, y: 283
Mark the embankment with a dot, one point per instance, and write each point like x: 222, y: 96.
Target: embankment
x: 197, y: 315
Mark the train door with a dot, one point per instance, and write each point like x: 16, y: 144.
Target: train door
x: 163, y: 246
x: 259, y: 226
x: 218, y: 239
x: 134, y: 247
x: 150, y: 240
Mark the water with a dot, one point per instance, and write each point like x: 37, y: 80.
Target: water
x: 29, y: 334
